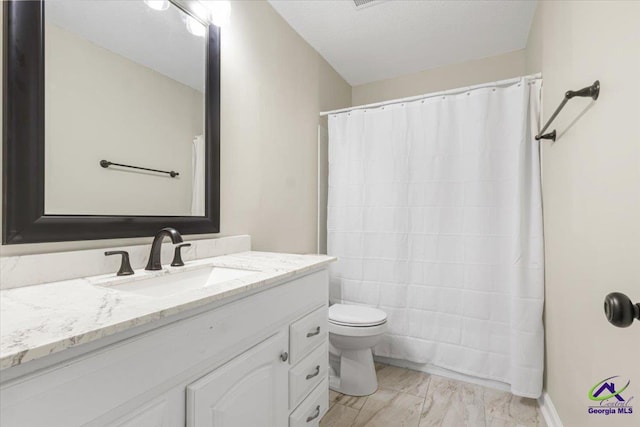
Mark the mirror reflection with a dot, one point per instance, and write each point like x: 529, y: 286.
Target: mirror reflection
x: 124, y: 85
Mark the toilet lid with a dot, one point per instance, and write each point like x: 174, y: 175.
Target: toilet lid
x: 356, y: 315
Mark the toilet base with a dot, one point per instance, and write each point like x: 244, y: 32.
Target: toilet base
x: 357, y: 374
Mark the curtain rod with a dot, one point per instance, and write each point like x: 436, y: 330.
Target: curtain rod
x: 433, y: 94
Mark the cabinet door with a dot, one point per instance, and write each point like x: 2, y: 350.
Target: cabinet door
x: 250, y: 390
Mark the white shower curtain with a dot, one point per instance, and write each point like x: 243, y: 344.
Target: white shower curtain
x: 435, y: 216
x: 197, y: 176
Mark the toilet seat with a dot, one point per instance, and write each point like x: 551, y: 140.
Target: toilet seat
x: 357, y: 331
x: 356, y: 316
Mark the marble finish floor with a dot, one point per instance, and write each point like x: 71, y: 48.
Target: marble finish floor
x: 416, y: 399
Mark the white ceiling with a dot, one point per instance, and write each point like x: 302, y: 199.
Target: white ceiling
x: 156, y: 39
x: 396, y: 37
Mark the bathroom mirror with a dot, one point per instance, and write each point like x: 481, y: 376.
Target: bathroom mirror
x: 111, y: 119
x: 123, y: 83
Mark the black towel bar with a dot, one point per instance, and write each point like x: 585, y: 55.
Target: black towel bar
x: 107, y: 163
x: 591, y: 91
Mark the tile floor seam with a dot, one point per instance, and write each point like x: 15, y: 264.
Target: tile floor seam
x: 484, y: 409
x: 424, y: 400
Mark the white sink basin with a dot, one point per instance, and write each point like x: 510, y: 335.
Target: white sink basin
x: 178, y: 282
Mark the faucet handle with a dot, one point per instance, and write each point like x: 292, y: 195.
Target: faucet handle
x: 177, y: 256
x: 125, y: 265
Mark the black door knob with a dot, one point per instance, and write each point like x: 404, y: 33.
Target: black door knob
x: 619, y: 309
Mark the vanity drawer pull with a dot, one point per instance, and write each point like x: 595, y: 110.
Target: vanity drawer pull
x: 307, y: 333
x: 314, y: 416
x: 315, y: 374
x: 284, y: 356
x: 306, y: 375
x: 307, y: 411
x: 313, y: 334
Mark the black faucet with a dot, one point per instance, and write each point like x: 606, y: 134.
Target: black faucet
x: 154, y: 257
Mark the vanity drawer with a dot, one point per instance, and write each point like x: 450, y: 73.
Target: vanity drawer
x: 313, y: 408
x: 307, y: 374
x: 307, y: 333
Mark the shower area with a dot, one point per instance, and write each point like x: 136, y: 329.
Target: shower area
x: 434, y: 213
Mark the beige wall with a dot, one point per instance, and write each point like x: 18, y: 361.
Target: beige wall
x: 591, y: 191
x: 273, y: 87
x: 101, y: 105
x: 453, y: 76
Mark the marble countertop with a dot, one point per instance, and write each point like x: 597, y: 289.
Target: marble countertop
x: 36, y: 321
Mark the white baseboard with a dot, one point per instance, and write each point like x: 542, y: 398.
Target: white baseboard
x: 549, y: 411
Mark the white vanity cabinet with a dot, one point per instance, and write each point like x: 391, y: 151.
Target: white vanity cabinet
x: 259, y: 360
x: 247, y: 391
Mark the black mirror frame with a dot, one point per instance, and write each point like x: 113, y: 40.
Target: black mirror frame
x: 24, y: 220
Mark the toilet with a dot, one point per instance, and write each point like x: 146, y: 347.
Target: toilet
x: 353, y: 331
